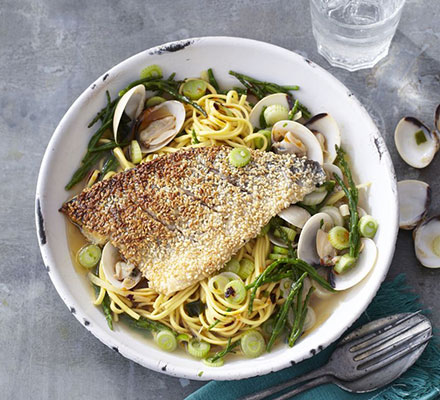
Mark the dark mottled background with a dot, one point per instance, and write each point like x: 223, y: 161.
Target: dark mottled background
x: 50, y: 51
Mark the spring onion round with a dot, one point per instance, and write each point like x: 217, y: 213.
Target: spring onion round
x: 275, y: 113
x: 252, y: 344
x: 240, y: 156
x: 217, y: 283
x: 217, y: 363
x: 368, y: 226
x: 246, y: 268
x: 194, y: 89
x: 135, y: 152
x: 273, y: 256
x: 338, y: 237
x: 235, y: 292
x: 89, y: 256
x: 233, y: 265
x: 152, y: 71
x: 280, y: 250
x: 345, y: 263
x: 154, y: 101
x: 259, y: 142
x: 183, y: 337
x: 166, y: 340
x: 285, y: 285
x: 198, y: 348
x: 268, y: 326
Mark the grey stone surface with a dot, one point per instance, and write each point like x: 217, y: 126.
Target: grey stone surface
x: 50, y: 51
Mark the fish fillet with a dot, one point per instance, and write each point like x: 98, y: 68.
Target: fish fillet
x: 180, y: 217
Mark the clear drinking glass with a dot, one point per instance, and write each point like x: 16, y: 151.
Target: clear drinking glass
x: 354, y: 34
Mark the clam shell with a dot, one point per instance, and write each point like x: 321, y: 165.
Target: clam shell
x: 277, y: 98
x: 414, y: 200
x: 110, y: 256
x: 158, y: 139
x: 295, y: 215
x: 331, y: 169
x: 437, y: 119
x: 427, y: 242
x: 326, y: 125
x: 307, y: 238
x: 416, y: 155
x: 313, y: 148
x: 132, y: 103
x: 365, y: 263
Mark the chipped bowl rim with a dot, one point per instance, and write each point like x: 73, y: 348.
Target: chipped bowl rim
x: 178, y: 365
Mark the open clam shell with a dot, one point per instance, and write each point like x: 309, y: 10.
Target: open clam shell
x: 427, y: 242
x: 277, y: 98
x: 127, y: 274
x: 307, y: 250
x: 326, y: 125
x: 416, y: 144
x: 331, y: 169
x: 157, y: 126
x: 414, y: 200
x: 132, y: 103
x: 437, y: 119
x: 364, y: 264
x: 288, y: 136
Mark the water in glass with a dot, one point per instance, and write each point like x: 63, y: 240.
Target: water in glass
x: 354, y: 34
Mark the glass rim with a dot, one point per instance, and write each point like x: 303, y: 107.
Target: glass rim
x: 366, y: 26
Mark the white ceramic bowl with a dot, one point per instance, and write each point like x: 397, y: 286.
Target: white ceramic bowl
x: 319, y: 90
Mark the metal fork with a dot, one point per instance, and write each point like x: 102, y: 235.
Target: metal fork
x: 368, y: 358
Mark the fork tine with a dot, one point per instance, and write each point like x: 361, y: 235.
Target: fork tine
x: 382, y: 337
x: 388, y: 347
x: 368, y: 334
x: 378, y: 363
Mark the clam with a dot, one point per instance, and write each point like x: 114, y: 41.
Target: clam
x: 364, y: 264
x: 308, y: 243
x: 427, y: 242
x: 414, y: 200
x: 292, y: 137
x: 327, y: 132
x: 132, y: 103
x: 157, y: 126
x: 315, y: 197
x: 119, y: 273
x: 277, y: 98
x: 415, y: 143
x: 277, y: 241
x: 295, y: 215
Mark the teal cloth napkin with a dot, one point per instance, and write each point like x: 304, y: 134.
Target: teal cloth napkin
x: 421, y: 382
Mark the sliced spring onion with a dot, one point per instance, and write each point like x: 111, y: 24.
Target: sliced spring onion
x: 89, y: 255
x: 183, y: 337
x: 235, y: 292
x: 152, y: 71
x: 291, y: 233
x: 240, y: 156
x: 217, y: 283
x: 217, y: 363
x: 246, y: 268
x: 280, y: 250
x: 420, y: 137
x: 345, y: 263
x: 368, y: 226
x: 166, y: 340
x: 233, y: 265
x: 273, y: 256
x: 198, y: 348
x: 154, y: 101
x: 338, y: 237
x: 194, y: 89
x: 135, y: 152
x: 252, y: 344
x: 259, y: 142
x: 285, y: 285
x: 275, y: 113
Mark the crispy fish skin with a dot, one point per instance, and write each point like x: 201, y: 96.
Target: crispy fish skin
x: 180, y: 217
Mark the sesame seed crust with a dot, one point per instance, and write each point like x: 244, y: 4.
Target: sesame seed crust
x: 180, y: 217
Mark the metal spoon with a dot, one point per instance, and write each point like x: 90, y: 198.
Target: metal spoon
x: 367, y: 359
